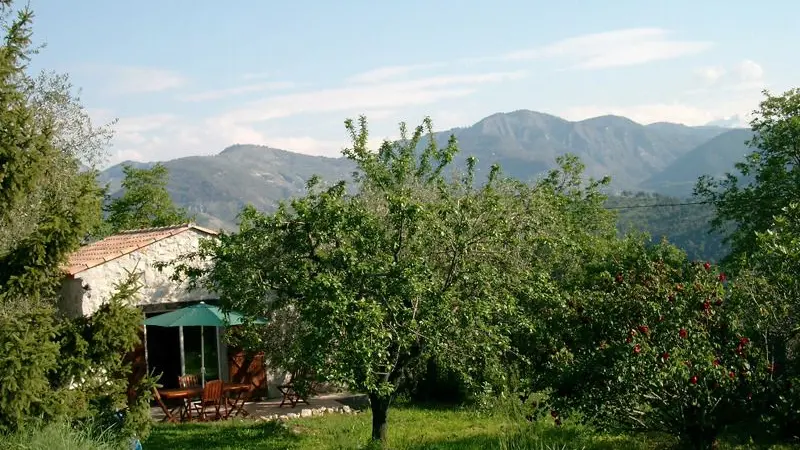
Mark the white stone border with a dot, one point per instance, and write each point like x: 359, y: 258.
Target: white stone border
x: 308, y: 412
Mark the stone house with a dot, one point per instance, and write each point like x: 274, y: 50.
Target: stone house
x: 91, y: 276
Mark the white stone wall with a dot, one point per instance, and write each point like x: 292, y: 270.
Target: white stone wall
x: 157, y: 287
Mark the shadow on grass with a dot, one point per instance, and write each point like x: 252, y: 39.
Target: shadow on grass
x: 537, y: 438
x: 265, y: 435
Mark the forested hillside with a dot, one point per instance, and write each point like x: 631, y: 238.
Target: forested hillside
x: 684, y: 222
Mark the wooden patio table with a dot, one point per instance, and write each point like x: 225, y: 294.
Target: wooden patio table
x: 188, y: 393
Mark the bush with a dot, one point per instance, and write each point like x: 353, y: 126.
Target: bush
x: 73, y: 369
x: 663, y: 345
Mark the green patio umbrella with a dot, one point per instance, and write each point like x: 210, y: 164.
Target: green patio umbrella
x: 199, y: 315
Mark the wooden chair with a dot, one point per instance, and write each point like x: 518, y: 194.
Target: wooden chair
x: 187, y: 381
x: 212, y: 398
x: 293, y: 393
x: 168, y: 412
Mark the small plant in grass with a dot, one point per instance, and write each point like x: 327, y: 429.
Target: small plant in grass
x: 664, y: 345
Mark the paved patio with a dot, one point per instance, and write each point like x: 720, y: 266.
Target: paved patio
x: 271, y: 407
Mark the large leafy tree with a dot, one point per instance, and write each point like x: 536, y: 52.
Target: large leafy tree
x: 47, y: 204
x: 144, y: 202
x: 768, y: 179
x: 364, y: 288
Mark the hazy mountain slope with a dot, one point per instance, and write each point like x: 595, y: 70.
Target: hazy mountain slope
x: 525, y: 143
x: 215, y: 188
x: 714, y: 157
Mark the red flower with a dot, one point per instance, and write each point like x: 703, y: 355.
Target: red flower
x: 707, y: 266
x: 706, y: 305
x: 644, y: 329
x: 682, y: 333
x: 722, y: 277
x: 716, y: 362
x: 628, y: 339
x: 619, y: 278
x: 732, y: 374
x: 693, y: 380
x: 637, y: 349
x: 744, y: 341
x: 665, y: 355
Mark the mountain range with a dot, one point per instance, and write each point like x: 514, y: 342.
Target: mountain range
x: 665, y: 158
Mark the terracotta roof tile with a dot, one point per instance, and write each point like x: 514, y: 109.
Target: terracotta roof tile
x: 123, y: 243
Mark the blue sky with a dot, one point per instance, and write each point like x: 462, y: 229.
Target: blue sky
x: 188, y: 77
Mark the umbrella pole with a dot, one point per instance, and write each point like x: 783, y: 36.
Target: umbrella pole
x: 202, y: 356
x: 183, y: 355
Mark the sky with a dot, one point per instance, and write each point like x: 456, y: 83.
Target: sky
x: 191, y: 77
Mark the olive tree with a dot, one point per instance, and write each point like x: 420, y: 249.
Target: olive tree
x: 364, y: 285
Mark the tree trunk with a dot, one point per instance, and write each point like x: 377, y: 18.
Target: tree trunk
x: 701, y: 439
x: 380, y: 410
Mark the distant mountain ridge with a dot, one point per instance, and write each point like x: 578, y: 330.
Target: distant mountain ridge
x: 525, y: 143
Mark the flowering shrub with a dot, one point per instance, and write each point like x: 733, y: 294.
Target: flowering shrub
x: 662, y: 344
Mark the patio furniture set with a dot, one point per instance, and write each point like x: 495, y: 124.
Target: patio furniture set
x: 215, y: 400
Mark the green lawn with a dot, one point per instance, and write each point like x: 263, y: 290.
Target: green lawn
x: 409, y: 428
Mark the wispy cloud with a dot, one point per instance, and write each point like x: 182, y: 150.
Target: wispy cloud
x: 711, y: 75
x: 747, y: 75
x: 749, y: 70
x: 619, y: 48
x: 733, y: 94
x: 371, y: 96
x: 238, y: 90
x: 126, y: 80
x: 390, y: 72
x: 675, y: 112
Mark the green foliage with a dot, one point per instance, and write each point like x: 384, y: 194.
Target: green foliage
x: 28, y: 354
x: 771, y: 175
x: 94, y: 370
x: 144, y: 202
x: 73, y: 368
x: 658, y: 344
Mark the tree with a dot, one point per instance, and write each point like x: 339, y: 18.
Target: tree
x: 47, y: 205
x: 768, y: 180
x: 145, y: 201
x: 365, y: 288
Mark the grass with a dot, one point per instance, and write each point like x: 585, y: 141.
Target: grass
x: 409, y: 428
x: 57, y: 436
